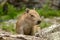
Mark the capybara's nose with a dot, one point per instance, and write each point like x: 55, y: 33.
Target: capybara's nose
x: 38, y: 22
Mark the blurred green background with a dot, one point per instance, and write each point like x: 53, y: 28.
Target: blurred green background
x: 13, y: 12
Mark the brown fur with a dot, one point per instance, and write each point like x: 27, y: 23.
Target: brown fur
x: 26, y: 22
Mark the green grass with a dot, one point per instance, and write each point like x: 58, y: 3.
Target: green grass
x: 12, y: 12
x: 49, y: 13
x: 46, y: 11
x: 44, y: 24
x: 8, y: 27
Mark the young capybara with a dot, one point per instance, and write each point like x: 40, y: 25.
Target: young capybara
x: 26, y: 22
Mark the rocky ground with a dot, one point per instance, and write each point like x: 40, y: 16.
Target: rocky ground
x: 49, y: 33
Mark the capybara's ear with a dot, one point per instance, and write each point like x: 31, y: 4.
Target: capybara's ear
x: 27, y: 10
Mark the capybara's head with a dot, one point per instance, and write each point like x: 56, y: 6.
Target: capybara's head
x: 33, y: 16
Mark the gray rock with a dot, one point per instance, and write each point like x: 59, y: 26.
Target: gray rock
x: 54, y: 36
x: 46, y: 32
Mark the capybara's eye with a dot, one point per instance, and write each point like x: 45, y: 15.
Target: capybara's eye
x: 32, y: 15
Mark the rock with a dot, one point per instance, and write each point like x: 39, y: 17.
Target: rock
x: 18, y: 37
x: 55, y: 4
x: 47, y: 31
x: 52, y: 21
x: 54, y: 36
x: 10, y: 21
x: 57, y: 19
x: 50, y: 33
